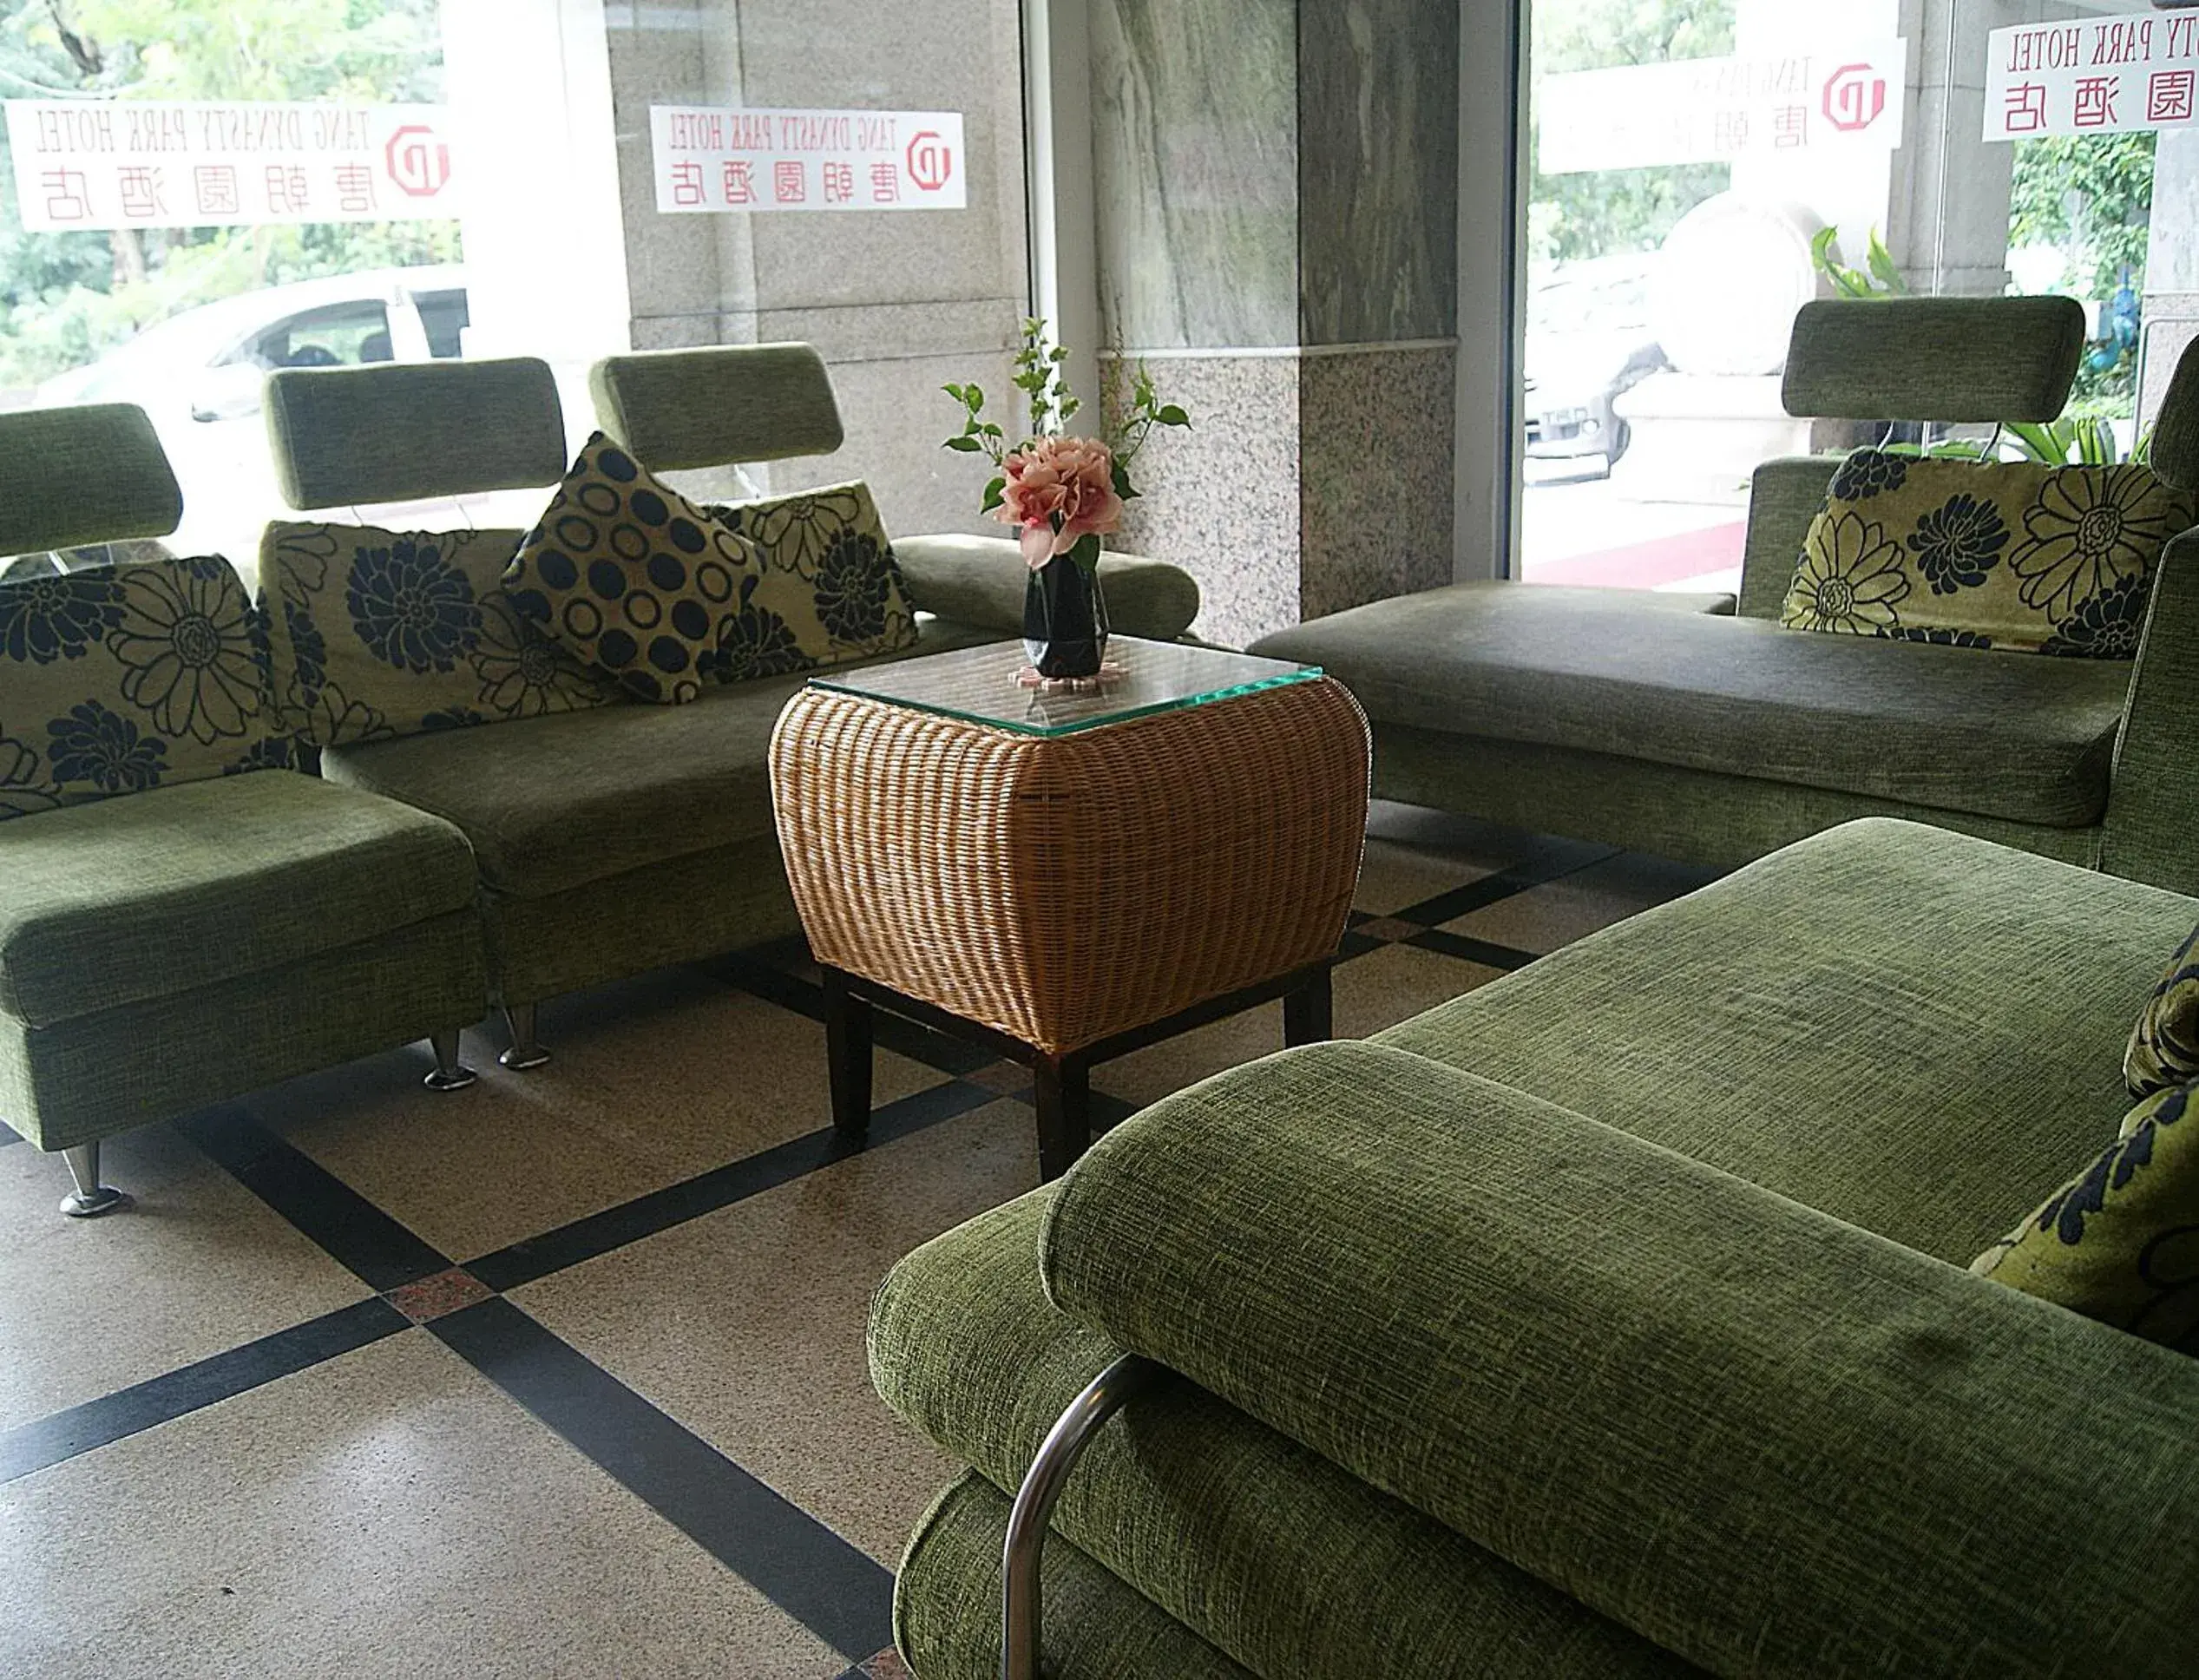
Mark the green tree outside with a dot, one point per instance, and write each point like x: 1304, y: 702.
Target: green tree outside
x: 65, y: 298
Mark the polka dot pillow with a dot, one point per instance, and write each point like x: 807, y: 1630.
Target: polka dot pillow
x: 631, y: 578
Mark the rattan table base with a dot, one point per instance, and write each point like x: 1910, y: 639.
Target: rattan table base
x: 1061, y: 1085
x: 1065, y: 900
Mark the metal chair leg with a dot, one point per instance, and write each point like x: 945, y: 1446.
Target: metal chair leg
x: 526, y: 1051
x: 90, y: 1198
x: 1106, y: 1394
x: 450, y: 1073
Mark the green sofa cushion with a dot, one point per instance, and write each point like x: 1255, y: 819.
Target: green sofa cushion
x: 2120, y: 1241
x: 88, y: 474
x: 947, y: 1606
x: 1908, y: 1029
x: 552, y: 803
x: 168, y: 891
x: 1770, y: 1442
x: 2029, y: 739
x: 1263, y: 1549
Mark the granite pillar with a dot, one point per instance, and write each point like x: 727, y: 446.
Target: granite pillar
x: 1278, y: 199
x: 899, y: 302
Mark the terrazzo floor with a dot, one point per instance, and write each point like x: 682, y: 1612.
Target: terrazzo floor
x: 564, y: 1375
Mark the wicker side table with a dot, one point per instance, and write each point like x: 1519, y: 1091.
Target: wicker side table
x: 1068, y: 890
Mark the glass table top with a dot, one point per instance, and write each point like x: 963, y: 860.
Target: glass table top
x: 981, y: 685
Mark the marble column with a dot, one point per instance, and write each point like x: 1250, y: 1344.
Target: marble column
x: 1278, y: 195
x: 898, y: 302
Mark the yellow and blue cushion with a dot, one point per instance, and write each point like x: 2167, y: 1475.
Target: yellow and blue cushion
x: 2120, y: 1241
x: 829, y: 589
x: 2017, y: 555
x: 123, y: 678
x: 2164, y: 1045
x: 631, y: 578
x: 377, y: 633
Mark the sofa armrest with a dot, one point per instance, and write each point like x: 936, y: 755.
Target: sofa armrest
x: 980, y: 580
x: 2152, y: 829
x: 1771, y: 1442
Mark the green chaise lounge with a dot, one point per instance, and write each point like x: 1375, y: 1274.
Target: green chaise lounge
x: 622, y: 837
x: 1611, y: 1320
x: 1609, y: 715
x: 186, y: 919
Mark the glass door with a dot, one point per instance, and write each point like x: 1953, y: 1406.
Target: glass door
x: 1698, y: 169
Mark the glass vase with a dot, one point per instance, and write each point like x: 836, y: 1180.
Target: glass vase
x: 1065, y: 619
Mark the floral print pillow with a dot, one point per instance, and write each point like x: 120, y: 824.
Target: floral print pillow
x: 119, y: 680
x: 2164, y: 1045
x: 2120, y: 1241
x: 830, y: 589
x: 375, y: 634
x: 2021, y: 556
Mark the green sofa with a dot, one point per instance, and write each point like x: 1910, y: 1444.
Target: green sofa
x: 1677, y: 725
x: 1609, y: 1320
x: 185, y: 918
x: 628, y: 837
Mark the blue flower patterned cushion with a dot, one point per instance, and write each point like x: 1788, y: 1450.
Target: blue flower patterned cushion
x: 119, y: 680
x: 631, y: 577
x: 378, y: 634
x: 2164, y: 1045
x: 829, y: 590
x: 2017, y: 555
x: 2120, y: 1241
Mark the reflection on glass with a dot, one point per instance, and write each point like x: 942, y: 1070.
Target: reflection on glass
x: 984, y: 685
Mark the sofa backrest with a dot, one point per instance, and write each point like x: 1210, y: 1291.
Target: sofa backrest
x: 403, y: 431
x: 724, y: 405
x: 1985, y: 361
x: 73, y: 476
x: 1973, y: 360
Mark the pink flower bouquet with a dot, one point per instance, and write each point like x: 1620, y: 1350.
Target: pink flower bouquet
x: 1061, y: 493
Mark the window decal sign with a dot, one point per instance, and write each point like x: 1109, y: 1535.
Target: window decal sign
x: 148, y: 163
x: 717, y: 158
x: 1711, y: 110
x: 2105, y: 76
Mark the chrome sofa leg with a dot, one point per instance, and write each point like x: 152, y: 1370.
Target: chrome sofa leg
x: 90, y: 1198
x: 450, y: 1073
x: 526, y: 1051
x: 1103, y: 1397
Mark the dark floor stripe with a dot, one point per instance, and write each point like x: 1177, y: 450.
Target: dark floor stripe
x: 127, y: 1411
x: 889, y: 1032
x: 660, y: 1210
x: 830, y: 1587
x: 348, y: 1227
x: 1539, y: 871
x: 1472, y: 950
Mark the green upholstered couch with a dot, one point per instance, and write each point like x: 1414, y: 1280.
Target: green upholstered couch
x: 625, y: 837
x: 1609, y: 1320
x: 1679, y: 725
x: 184, y: 920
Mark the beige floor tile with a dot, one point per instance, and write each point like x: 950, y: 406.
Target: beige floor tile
x: 1372, y: 991
x: 387, y: 1514
x: 1545, y: 918
x: 199, y: 1266
x: 747, y: 1325
x: 653, y: 1081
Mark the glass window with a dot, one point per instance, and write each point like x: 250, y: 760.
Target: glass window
x: 1700, y: 168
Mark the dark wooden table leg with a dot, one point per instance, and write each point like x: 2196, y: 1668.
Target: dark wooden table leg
x: 1064, y: 1093
x: 847, y: 1049
x: 1309, y: 1013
